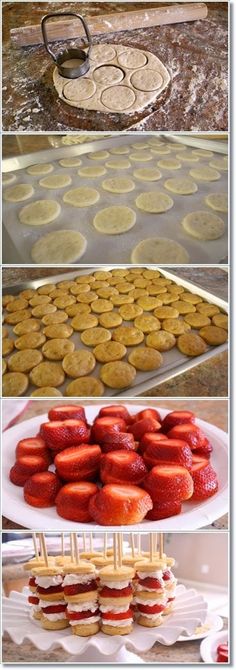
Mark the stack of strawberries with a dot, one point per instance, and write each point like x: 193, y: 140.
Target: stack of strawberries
x: 147, y: 466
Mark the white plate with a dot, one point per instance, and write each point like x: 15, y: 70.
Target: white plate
x: 215, y: 623
x: 190, y: 611
x: 209, y: 646
x: 194, y: 515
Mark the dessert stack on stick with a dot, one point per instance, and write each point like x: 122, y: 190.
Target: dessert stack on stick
x: 103, y: 559
x: 150, y: 596
x: 80, y: 593
x: 170, y: 581
x: 62, y: 558
x: 35, y: 562
x: 48, y: 580
x: 115, y: 594
x: 136, y: 554
x: 89, y: 555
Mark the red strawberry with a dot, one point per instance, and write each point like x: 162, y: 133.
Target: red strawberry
x: 148, y: 414
x: 76, y: 616
x: 41, y: 489
x: 78, y: 463
x: 117, y: 505
x: 169, y: 482
x: 205, y: 480
x: 53, y: 609
x: 106, y: 592
x: 33, y: 600
x: 189, y: 433
x: 175, y: 418
x: 139, y: 428
x: 31, y: 446
x: 74, y: 589
x: 151, y: 609
x: 16, y: 476
x: 118, y: 441
x: 148, y: 439
x: 205, y: 450
x: 122, y: 467
x: 29, y: 465
x: 59, y: 435
x: 117, y: 411
x: 62, y: 412
x: 151, y: 583
x: 50, y: 589
x: 117, y: 616
x: 164, y: 510
x: 168, y: 451
x: 104, y: 424
x: 72, y: 501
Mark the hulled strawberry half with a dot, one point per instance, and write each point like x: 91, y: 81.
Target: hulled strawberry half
x: 59, y: 435
x: 72, y: 501
x: 205, y: 481
x: 78, y: 463
x: 31, y: 446
x: 104, y: 424
x: 168, y: 451
x: 53, y: 609
x: 63, y: 412
x: 188, y: 432
x: 122, y: 467
x: 41, y: 489
x: 169, y: 482
x: 176, y: 418
x: 142, y: 426
x: 150, y: 439
x: 33, y: 600
x: 106, y: 592
x: 151, y: 609
x: 117, y: 411
x: 77, y: 616
x: 73, y: 589
x: 164, y: 510
x: 117, y: 441
x: 115, y: 505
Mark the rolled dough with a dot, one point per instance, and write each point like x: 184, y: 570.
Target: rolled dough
x: 169, y: 164
x: 96, y: 171
x: 219, y: 164
x: 181, y: 186
x: 118, y: 164
x: 203, y: 225
x: 119, y: 150
x: 98, y: 155
x: 40, y: 169
x: 159, y: 250
x: 114, y: 220
x: 61, y: 246
x: 147, y: 174
x: 39, y: 212
x: 8, y: 178
x: 70, y: 162
x: 154, y: 202
x: 141, y: 156
x: 118, y: 185
x: 81, y: 197
x: 204, y: 174
x: 217, y: 201
x: 18, y: 192
x: 56, y: 181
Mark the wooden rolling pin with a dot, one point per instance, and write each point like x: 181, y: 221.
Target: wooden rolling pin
x: 63, y: 29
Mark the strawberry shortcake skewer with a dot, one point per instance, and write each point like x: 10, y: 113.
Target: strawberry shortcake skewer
x: 37, y: 562
x: 170, y: 583
x: 150, y: 594
x: 81, y: 595
x: 51, y: 599
x: 116, y: 594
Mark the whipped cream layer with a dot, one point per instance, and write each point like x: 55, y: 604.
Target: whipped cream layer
x: 51, y: 603
x: 71, y: 579
x: 92, y: 606
x: 57, y: 616
x: 46, y: 582
x: 113, y: 609
x: 142, y: 587
x: 90, y: 619
x: 115, y: 585
x: 155, y: 575
x: 154, y: 617
x: 122, y: 622
x: 36, y: 608
x: 159, y: 600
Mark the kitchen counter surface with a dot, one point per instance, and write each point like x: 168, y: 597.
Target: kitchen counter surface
x: 196, y: 54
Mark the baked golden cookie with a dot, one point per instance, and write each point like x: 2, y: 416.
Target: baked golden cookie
x: 191, y: 297
x: 4, y: 332
x: 119, y: 272
x: 14, y: 384
x: 16, y: 305
x: 116, y: 630
x: 83, y: 321
x: 102, y: 274
x: 4, y: 366
x: 145, y: 358
x: 168, y: 298
x: 27, y: 293
x: 220, y: 320
x: 79, y: 363
x: 151, y: 274
x: 27, y: 326
x: 87, y: 297
x: 85, y: 630
x: 197, y: 320
x: 110, y: 320
x: 7, y: 346
x: 56, y: 317
x: 147, y: 323
x: 56, y: 349
x: 58, y: 292
x: 18, y: 316
x: 141, y: 282
x: 138, y: 293
x: 53, y: 625
x: 65, y: 301
x: 207, y: 309
x: 99, y: 284
x: 24, y: 361
x: 149, y: 623
x: 176, y: 289
x: 58, y: 330
x: 118, y: 375
x: 162, y: 281
x: 174, y: 326
x: 30, y: 341
x: 47, y: 374
x: 46, y: 289
x: 94, y: 336
x: 125, y: 287
x: 129, y: 312
x: 106, y: 292
x: 128, y: 335
x: 80, y: 288
x: 65, y: 284
x: 39, y: 300
x: 149, y: 303
x: 161, y: 340
x: 156, y: 290
x: 166, y: 312
x: 118, y: 300
x: 214, y: 335
x: 101, y: 305
x: 111, y: 351
x: 73, y: 310
x: 191, y: 344
x: 85, y: 279
x: 7, y: 298
x: 85, y: 387
x: 46, y: 392
x: 41, y: 310
x: 183, y: 307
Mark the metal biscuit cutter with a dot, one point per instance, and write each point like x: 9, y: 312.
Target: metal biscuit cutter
x: 72, y: 62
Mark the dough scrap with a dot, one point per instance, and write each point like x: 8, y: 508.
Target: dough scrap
x: 56, y: 181
x: 96, y: 171
x: 70, y: 162
x: 181, y: 185
x: 169, y: 164
x: 114, y: 220
x: 118, y: 185
x: 147, y: 174
x: 159, y: 250
x: 81, y: 197
x: 40, y: 169
x: 203, y: 225
x: 205, y: 174
x: 217, y: 201
x: 18, y: 192
x: 39, y: 212
x: 154, y: 202
x: 118, y: 164
x: 61, y: 246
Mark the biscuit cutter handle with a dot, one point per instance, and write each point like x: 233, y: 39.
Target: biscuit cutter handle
x: 56, y: 14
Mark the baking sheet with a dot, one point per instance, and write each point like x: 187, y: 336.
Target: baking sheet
x: 174, y: 363
x: 103, y: 248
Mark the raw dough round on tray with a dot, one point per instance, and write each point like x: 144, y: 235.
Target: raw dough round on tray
x: 8, y: 178
x: 154, y: 202
x: 147, y: 174
x: 181, y: 185
x: 70, y: 162
x: 219, y: 164
x: 141, y: 156
x: 96, y: 171
x: 114, y: 220
x: 18, y: 192
x: 203, y: 225
x: 205, y: 174
x: 40, y: 169
x: 118, y: 185
x: 56, y: 181
x: 81, y: 197
x: 61, y: 246
x: 169, y: 164
x: 118, y: 151
x: 40, y: 212
x: 217, y: 201
x: 159, y: 250
x: 118, y: 164
x: 121, y: 79
x: 98, y: 155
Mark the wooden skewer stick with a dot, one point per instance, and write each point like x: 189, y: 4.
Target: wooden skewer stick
x: 161, y: 541
x: 71, y: 548
x: 151, y: 544
x: 132, y: 544
x: 115, y: 551
x: 139, y: 544
x: 120, y: 548
x: 84, y: 541
x: 91, y: 542
x: 35, y: 546
x: 76, y: 548
x: 109, y: 23
x: 105, y: 546
x: 44, y: 548
x: 62, y: 544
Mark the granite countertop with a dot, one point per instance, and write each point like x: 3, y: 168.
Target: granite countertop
x: 196, y: 54
x: 205, y: 379
x: 211, y: 410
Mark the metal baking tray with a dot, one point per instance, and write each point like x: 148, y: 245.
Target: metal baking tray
x: 18, y: 239
x: 174, y: 363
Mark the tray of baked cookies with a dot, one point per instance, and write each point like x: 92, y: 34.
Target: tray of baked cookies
x: 106, y: 331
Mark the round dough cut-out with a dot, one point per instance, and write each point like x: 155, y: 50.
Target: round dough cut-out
x: 219, y: 164
x: 98, y: 155
x: 56, y: 181
x: 147, y: 174
x: 181, y: 186
x: 81, y: 197
x: 118, y: 185
x: 217, y: 201
x: 169, y: 164
x: 8, y: 178
x: 189, y: 158
x: 159, y: 250
x: 141, y: 156
x: 118, y: 164
x: 96, y: 171
x: 61, y: 246
x: 120, y: 79
x: 40, y: 212
x: 204, y: 174
x: 203, y: 152
x: 119, y: 150
x: 204, y: 225
x: 114, y: 220
x: 40, y: 169
x: 18, y: 192
x: 154, y: 202
x: 70, y: 162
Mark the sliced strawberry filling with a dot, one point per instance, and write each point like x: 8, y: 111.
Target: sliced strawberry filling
x: 116, y: 593
x: 53, y: 609
x: 151, y: 609
x: 113, y: 616
x: 73, y: 589
x: 76, y: 616
x: 151, y: 583
x: 170, y: 600
x: 166, y: 575
x: 51, y: 589
x: 33, y: 600
x: 32, y: 581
